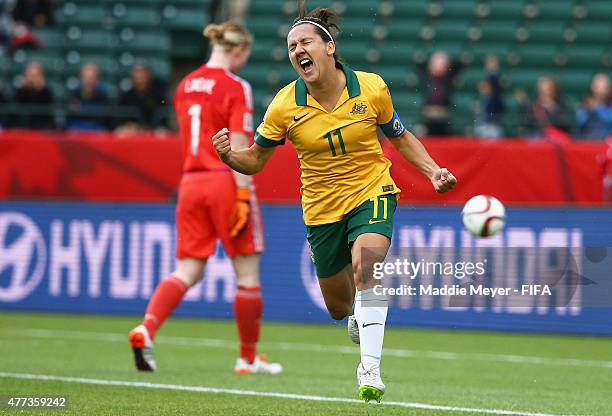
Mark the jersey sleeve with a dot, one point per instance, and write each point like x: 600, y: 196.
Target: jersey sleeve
x: 272, y: 130
x: 387, y: 119
x: 241, y: 110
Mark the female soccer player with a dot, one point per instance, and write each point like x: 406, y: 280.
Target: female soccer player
x: 214, y: 202
x: 331, y: 114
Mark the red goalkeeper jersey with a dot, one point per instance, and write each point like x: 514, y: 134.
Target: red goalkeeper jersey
x: 207, y: 100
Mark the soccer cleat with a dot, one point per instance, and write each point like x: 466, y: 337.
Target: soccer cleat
x: 142, y: 345
x: 353, y: 329
x: 370, y: 385
x: 260, y: 365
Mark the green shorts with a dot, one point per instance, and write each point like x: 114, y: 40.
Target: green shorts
x: 330, y: 244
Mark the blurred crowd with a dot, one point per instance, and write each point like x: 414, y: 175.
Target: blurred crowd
x: 18, y: 17
x: 88, y: 107
x: 543, y: 114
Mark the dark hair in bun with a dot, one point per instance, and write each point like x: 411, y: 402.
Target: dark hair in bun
x: 327, y: 18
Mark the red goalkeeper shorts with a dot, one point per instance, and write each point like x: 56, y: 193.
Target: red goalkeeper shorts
x: 205, y: 204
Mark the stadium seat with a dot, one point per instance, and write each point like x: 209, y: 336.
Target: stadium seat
x: 498, y: 30
x: 480, y: 50
x: 76, y: 14
x: 51, y: 38
x: 543, y: 31
x: 404, y: 30
x: 574, y: 81
x: 599, y: 10
x: 585, y: 56
x: 526, y: 78
x: 395, y: 76
x: 535, y: 55
x: 266, y: 8
x: 363, y: 9
x: 591, y: 32
x: 459, y: 8
x: 136, y: 42
x: 265, y: 50
x: 397, y: 53
x: 257, y: 75
x: 5, y: 66
x: 90, y: 40
x: 185, y: 18
x: 137, y: 17
x: 265, y: 28
x: 410, y: 9
x: 408, y: 105
x: 286, y: 74
x: 445, y: 29
x: 352, y: 53
x: 468, y: 79
x: 559, y: 10
x: 503, y: 9
x: 464, y: 102
x: 357, y: 30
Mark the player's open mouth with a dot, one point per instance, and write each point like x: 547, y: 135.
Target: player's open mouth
x: 306, y: 65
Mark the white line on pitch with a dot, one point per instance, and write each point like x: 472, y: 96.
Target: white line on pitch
x: 290, y: 346
x: 238, y: 392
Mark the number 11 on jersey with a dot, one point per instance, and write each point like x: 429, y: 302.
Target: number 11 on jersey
x: 330, y: 141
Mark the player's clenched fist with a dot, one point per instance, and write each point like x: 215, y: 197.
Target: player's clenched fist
x: 443, y: 180
x: 221, y: 142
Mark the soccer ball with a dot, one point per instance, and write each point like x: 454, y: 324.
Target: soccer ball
x: 484, y: 216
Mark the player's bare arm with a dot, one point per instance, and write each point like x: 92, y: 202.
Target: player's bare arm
x: 414, y: 152
x: 240, y: 141
x: 246, y: 161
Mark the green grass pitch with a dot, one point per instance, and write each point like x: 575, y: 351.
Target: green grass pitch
x: 486, y: 372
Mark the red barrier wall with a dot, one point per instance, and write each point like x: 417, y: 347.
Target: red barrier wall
x: 145, y: 167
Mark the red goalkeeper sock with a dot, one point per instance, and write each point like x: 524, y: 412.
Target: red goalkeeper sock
x: 248, y: 308
x: 165, y: 299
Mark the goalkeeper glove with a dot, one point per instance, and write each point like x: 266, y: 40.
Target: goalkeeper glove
x: 240, y: 214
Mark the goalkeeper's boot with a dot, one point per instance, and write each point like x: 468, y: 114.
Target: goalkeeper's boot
x: 142, y: 345
x: 353, y: 329
x: 370, y: 385
x: 260, y: 365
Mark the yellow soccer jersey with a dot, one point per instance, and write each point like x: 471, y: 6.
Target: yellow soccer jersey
x: 341, y: 161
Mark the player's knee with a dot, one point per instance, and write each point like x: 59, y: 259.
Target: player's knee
x: 248, y: 281
x: 338, y: 313
x: 190, y: 279
x: 358, y: 271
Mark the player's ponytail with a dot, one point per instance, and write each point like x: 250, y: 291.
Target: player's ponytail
x: 228, y: 35
x: 325, y: 17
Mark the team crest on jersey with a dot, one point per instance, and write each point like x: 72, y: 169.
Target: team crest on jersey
x: 359, y: 109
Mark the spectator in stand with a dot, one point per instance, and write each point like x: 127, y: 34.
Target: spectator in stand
x: 33, y: 13
x: 594, y: 117
x: 36, y: 99
x: 490, y: 107
x: 7, y: 25
x: 88, y: 104
x: 548, y: 116
x: 437, y: 79
x: 146, y: 100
